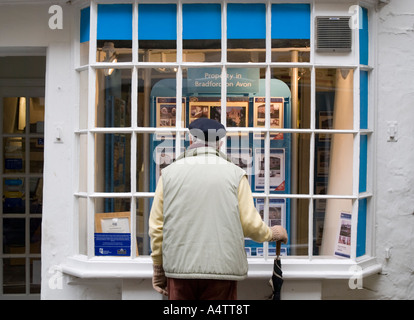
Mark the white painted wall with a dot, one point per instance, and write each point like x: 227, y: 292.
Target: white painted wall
x: 394, y: 164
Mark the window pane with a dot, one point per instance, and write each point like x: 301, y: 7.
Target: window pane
x: 334, y: 99
x: 114, y: 33
x: 83, y: 226
x: 156, y: 89
x: 83, y: 163
x: 113, y: 101
x: 157, y: 32
x: 363, y: 163
x: 145, y: 165
x: 299, y: 225
x: 84, y: 35
x: 294, y: 85
x: 83, y: 99
x: 35, y: 235
x: 14, y: 276
x: 334, y: 163
x: 143, y: 211
x: 362, y: 227
x: 201, y: 32
x: 291, y: 32
x: 113, y: 162
x: 332, y: 228
x: 36, y: 155
x: 35, y: 275
x: 246, y: 32
x: 14, y: 236
x: 14, y: 154
x: 36, y: 195
x: 37, y: 114
x: 363, y: 79
x: 363, y: 36
x: 14, y: 115
x: 14, y: 190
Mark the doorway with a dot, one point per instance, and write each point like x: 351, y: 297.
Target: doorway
x: 22, y: 107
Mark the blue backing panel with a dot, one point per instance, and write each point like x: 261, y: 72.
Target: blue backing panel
x: 363, y: 85
x: 85, y: 24
x: 363, y: 153
x: 201, y: 21
x: 157, y: 22
x: 364, y: 38
x: 114, y: 22
x: 291, y: 21
x: 362, y: 228
x: 246, y: 21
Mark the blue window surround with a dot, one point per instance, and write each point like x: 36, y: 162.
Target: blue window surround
x: 246, y: 21
x: 291, y: 21
x: 200, y: 21
x: 157, y: 22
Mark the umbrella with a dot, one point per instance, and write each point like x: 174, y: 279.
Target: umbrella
x: 277, y: 280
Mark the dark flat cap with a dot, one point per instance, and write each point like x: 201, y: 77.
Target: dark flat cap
x: 207, y: 129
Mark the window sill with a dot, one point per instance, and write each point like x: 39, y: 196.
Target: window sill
x: 293, y: 268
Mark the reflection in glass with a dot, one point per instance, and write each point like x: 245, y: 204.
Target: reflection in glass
x: 113, y: 103
x: 334, y: 98
x: 112, y: 162
x: 298, y: 82
x: 152, y: 83
x: 333, y: 165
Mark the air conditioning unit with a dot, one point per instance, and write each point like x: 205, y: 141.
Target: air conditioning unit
x: 333, y: 34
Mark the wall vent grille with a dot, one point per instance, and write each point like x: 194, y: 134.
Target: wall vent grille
x: 333, y: 34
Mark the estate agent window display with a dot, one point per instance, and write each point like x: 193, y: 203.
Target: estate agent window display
x: 285, y: 116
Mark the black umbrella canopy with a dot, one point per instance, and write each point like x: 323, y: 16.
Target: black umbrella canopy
x: 277, y: 277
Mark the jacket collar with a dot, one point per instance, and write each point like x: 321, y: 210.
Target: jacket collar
x: 200, y: 149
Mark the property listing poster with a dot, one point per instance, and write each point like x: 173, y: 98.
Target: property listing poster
x: 276, y: 116
x: 276, y: 172
x: 276, y: 216
x: 343, y: 245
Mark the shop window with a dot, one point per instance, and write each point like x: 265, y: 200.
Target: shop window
x: 295, y: 126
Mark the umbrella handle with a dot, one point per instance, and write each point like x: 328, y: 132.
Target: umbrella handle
x: 278, y: 245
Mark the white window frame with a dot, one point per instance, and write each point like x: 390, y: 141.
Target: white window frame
x: 295, y: 267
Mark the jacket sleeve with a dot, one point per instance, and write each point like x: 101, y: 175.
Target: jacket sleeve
x: 156, y: 224
x: 252, y: 224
